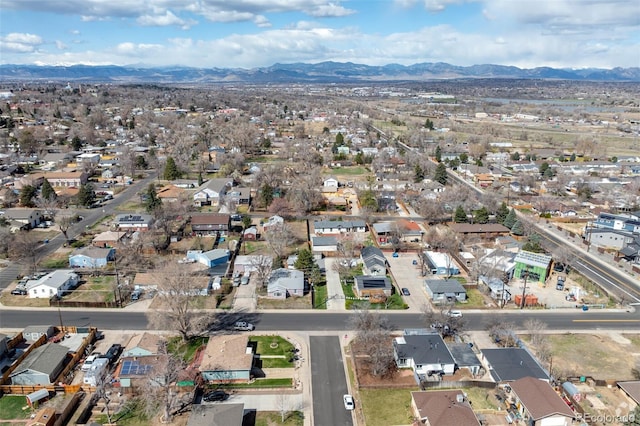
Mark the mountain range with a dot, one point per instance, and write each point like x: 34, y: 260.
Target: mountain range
x: 323, y: 72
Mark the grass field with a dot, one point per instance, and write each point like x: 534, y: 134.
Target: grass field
x: 281, y: 345
x: 272, y: 418
x: 187, y: 349
x: 265, y: 383
x: 349, y: 171
x: 11, y: 408
x: 321, y: 294
x: 384, y: 407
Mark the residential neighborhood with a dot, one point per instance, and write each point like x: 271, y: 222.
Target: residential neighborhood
x: 227, y: 251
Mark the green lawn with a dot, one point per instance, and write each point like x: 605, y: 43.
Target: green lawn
x: 286, y: 382
x: 384, y: 407
x: 55, y: 263
x: 270, y: 418
x: 474, y: 299
x: 282, y: 346
x: 11, y: 407
x: 132, y: 414
x: 321, y: 295
x: 349, y: 171
x: 187, y: 349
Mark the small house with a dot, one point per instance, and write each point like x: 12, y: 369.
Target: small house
x: 144, y: 344
x: 227, y: 359
x: 209, y: 258
x: 538, y: 403
x: 31, y: 218
x: 284, y: 283
x: 373, y: 287
x: 443, y: 408
x: 423, y: 351
x: 210, y: 223
x: 328, y: 244
x: 41, y: 367
x: 133, y: 221
x: 510, y: 364
x: 107, y: 239
x: 439, y: 263
x: 374, y: 261
x: 445, y: 291
x: 91, y: 257
x: 534, y: 266
x: 54, y: 283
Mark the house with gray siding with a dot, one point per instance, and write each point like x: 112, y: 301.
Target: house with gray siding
x: 227, y: 359
x: 42, y: 366
x: 443, y: 291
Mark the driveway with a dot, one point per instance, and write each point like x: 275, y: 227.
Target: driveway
x: 334, y: 288
x: 408, y: 275
x: 329, y: 382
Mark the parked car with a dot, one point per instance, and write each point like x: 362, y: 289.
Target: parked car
x: 19, y: 291
x: 243, y: 326
x: 349, y: 404
x: 90, y: 359
x: 405, y: 291
x: 216, y: 395
x: 113, y: 353
x: 454, y: 314
x: 136, y: 295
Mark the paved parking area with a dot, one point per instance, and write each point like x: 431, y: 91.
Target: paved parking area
x: 408, y: 275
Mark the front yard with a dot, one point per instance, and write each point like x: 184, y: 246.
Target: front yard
x: 273, y: 351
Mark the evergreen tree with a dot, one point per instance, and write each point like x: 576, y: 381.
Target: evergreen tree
x: 440, y: 174
x: 515, y: 156
x: 481, y: 215
x: 464, y: 158
x: 47, y: 191
x: 305, y: 261
x: 429, y: 124
x: 511, y: 219
x: 517, y: 228
x: 27, y: 194
x: 368, y: 200
x: 76, y: 143
x: 171, y: 171
x: 266, y: 194
x: 502, y: 213
x: 438, y: 154
x: 543, y: 168
x: 359, y: 158
x: 418, y: 174
x: 460, y: 216
x: 573, y: 157
x: 533, y: 244
x: 152, y: 202
x: 339, y: 139
x: 86, y: 195
x: 246, y: 221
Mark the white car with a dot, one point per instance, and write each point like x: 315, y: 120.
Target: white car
x: 349, y: 404
x: 243, y: 326
x: 89, y: 361
x: 455, y: 314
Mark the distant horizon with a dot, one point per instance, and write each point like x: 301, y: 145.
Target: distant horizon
x: 250, y: 34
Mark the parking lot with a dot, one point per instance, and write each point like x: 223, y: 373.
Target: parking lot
x: 407, y: 275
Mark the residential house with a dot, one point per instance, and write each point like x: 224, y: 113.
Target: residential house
x: 538, y: 403
x: 144, y: 344
x: 250, y: 263
x: 273, y: 221
x: 216, y: 415
x: 88, y: 158
x: 374, y: 261
x: 66, y: 179
x: 92, y: 257
x: 510, y: 364
x: 327, y: 244
x: 443, y: 408
x: 54, y: 160
x: 145, y: 281
x: 338, y: 226
x: 285, y: 282
x: 133, y: 221
x: 54, y: 283
x: 227, y: 359
x: 367, y: 286
x: 29, y: 217
x: 240, y: 196
x: 445, y: 291
x: 134, y: 371
x: 107, y: 239
x: 209, y: 258
x: 609, y: 238
x: 479, y: 230
x: 498, y: 290
x: 440, y: 263
x: 465, y: 357
x: 331, y: 182
x: 498, y: 263
x: 42, y: 366
x: 211, y: 192
x: 210, y: 223
x: 632, y: 390
x: 172, y: 193
x: 535, y: 266
x: 423, y: 351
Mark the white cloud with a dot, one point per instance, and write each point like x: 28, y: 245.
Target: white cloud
x: 20, y: 42
x: 60, y: 45
x: 168, y: 19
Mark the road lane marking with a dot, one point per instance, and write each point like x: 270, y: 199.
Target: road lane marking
x: 606, y: 320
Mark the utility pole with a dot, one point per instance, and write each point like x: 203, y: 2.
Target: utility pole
x: 525, y: 275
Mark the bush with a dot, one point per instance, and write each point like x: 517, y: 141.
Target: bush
x: 78, y: 244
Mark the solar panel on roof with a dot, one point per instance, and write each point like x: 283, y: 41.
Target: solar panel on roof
x: 133, y: 368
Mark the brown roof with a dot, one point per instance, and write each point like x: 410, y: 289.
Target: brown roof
x: 109, y: 236
x: 147, y: 341
x: 632, y: 389
x: 442, y: 408
x: 539, y: 398
x: 209, y: 218
x: 479, y: 228
x: 227, y: 353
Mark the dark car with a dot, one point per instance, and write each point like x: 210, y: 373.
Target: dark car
x: 406, y: 291
x: 19, y: 291
x: 113, y: 353
x: 216, y: 395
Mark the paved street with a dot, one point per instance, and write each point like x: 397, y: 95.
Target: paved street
x: 329, y: 382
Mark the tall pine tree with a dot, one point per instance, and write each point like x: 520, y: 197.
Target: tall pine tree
x: 171, y: 171
x: 47, y: 191
x: 511, y: 219
x: 460, y: 216
x: 502, y: 213
x: 440, y: 175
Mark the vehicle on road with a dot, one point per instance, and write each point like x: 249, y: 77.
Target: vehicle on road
x: 349, y: 404
x: 243, y: 326
x: 405, y: 291
x: 454, y: 314
x: 216, y: 395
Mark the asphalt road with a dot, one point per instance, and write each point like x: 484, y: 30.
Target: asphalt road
x: 329, y: 321
x: 329, y: 383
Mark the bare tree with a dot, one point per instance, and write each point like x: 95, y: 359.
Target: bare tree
x: 283, y: 406
x: 279, y: 237
x: 564, y: 255
x: 176, y: 293
x: 161, y: 394
x: 64, y: 223
x: 262, y: 266
x: 373, y: 338
x: 502, y: 332
x: 24, y: 250
x: 536, y: 329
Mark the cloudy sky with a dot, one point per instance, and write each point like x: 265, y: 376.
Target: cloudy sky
x: 255, y: 33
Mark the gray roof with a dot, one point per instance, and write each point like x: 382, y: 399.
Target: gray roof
x: 324, y: 241
x: 463, y: 355
x: 347, y: 224
x: 133, y: 218
x: 290, y: 279
x: 372, y: 256
x: 382, y: 227
x: 533, y: 259
x: 508, y: 364
x: 55, y: 279
x: 424, y: 349
x: 44, y: 359
x: 216, y: 415
x: 93, y: 252
x: 216, y: 254
x: 445, y: 286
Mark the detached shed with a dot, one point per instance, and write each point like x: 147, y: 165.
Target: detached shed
x: 35, y: 397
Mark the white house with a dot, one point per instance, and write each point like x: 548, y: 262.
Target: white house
x: 29, y: 217
x: 423, y: 351
x: 339, y: 226
x: 210, y: 192
x: 330, y: 182
x: 56, y: 282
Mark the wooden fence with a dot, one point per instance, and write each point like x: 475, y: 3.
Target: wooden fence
x: 41, y: 341
x: 27, y: 389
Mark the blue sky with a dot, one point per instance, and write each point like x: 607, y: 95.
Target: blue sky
x: 256, y: 33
